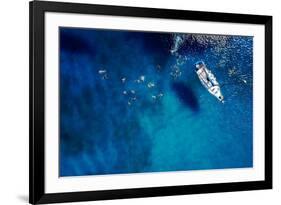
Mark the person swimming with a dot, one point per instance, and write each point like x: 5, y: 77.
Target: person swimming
x: 208, y: 80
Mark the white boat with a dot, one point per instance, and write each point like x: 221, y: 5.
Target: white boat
x: 208, y: 80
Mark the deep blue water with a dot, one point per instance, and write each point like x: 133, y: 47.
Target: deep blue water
x: 131, y: 102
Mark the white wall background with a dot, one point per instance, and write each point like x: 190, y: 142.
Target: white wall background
x: 14, y: 100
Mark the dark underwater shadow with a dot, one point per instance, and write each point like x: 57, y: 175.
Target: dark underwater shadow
x: 186, y: 95
x: 71, y: 42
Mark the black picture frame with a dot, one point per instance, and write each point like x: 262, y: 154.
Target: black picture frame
x: 37, y: 193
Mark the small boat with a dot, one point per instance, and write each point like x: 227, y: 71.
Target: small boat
x: 208, y: 80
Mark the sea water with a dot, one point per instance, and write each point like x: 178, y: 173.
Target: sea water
x: 131, y: 102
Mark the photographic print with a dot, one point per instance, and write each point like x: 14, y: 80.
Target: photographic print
x: 129, y: 102
x: 140, y: 102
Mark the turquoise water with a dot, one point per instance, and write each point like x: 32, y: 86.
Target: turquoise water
x: 131, y: 102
